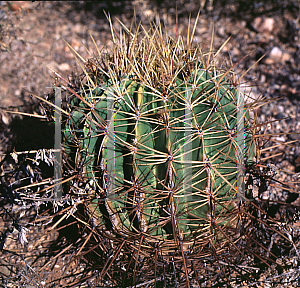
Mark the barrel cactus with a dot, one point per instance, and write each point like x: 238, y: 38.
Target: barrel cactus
x: 160, y: 137
x: 161, y: 153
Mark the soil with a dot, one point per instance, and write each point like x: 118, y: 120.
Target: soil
x: 33, y: 37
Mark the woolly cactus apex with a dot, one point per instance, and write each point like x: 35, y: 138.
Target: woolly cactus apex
x: 160, y: 134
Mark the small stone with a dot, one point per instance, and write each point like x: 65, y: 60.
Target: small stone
x: 263, y: 78
x: 280, y: 139
x: 148, y: 13
x: 286, y: 57
x: 275, y: 53
x: 264, y: 24
x: 5, y: 119
x: 64, y: 67
x: 17, y: 92
x: 280, y: 109
x: 274, y: 56
x: 268, y: 24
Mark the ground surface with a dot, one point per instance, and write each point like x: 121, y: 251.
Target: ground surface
x: 32, y: 45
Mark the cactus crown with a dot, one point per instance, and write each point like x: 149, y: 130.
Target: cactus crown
x: 159, y: 132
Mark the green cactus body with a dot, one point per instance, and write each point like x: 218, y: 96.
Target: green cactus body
x: 161, y: 159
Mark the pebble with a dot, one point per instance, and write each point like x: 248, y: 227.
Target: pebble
x: 280, y: 139
x: 64, y: 67
x: 264, y: 24
x: 17, y: 92
x: 280, y: 109
x: 149, y: 13
x: 276, y: 55
x: 5, y: 119
x: 263, y: 78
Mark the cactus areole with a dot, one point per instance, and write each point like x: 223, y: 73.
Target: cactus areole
x: 154, y: 133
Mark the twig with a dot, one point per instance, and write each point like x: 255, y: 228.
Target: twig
x: 148, y: 282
